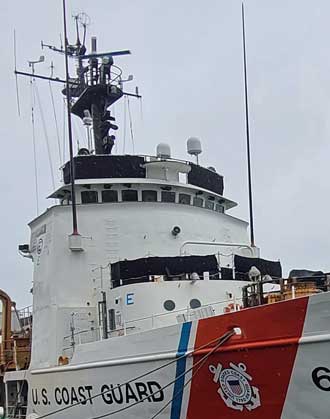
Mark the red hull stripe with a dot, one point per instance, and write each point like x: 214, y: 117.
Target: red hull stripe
x: 266, y: 349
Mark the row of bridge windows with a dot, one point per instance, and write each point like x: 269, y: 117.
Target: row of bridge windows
x: 131, y: 195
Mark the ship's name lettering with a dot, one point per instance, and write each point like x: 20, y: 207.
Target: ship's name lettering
x: 63, y: 395
x: 149, y: 391
x: 71, y: 395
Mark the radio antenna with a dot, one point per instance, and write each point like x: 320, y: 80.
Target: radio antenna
x: 247, y: 133
x: 16, y: 81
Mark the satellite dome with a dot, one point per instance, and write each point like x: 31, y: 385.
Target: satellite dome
x: 163, y: 151
x: 194, y: 146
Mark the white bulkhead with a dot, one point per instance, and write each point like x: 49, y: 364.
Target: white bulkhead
x: 161, y: 215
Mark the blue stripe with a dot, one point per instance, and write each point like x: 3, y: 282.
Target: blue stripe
x: 180, y: 370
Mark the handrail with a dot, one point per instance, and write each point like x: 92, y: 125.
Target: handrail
x: 152, y: 317
x: 230, y: 300
x: 208, y: 243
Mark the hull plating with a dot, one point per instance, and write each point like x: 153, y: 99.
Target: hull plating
x: 277, y: 368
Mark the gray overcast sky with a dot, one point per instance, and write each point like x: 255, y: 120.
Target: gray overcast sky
x: 187, y: 62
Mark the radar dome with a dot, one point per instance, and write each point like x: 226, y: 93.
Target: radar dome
x: 194, y: 146
x: 163, y: 151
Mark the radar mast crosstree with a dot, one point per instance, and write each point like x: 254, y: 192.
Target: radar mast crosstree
x: 98, y: 85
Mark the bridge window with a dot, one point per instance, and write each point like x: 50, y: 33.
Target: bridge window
x: 89, y: 197
x: 198, y: 202
x: 184, y: 199
x: 129, y: 195
x: 109, y: 196
x: 168, y: 196
x: 149, y: 196
x: 209, y: 204
x: 219, y: 208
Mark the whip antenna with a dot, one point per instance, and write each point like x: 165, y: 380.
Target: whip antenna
x: 16, y: 81
x: 247, y: 132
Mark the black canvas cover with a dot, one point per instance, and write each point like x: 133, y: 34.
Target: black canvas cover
x: 305, y: 275
x: 105, y: 166
x: 205, y: 178
x: 226, y: 274
x: 176, y: 265
x: 266, y: 267
x: 301, y: 273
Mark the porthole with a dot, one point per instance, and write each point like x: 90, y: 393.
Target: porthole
x: 195, y: 303
x: 169, y: 305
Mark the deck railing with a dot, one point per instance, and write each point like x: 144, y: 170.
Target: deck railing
x: 79, y: 336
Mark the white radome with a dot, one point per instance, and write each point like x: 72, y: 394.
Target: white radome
x: 163, y: 151
x: 194, y: 146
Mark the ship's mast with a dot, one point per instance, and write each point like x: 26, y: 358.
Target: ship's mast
x: 97, y: 85
x: 99, y: 88
x: 68, y: 100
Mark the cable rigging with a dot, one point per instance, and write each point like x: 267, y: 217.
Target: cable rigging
x: 201, y: 363
x: 130, y: 123
x: 46, y: 135
x: 64, y: 130
x: 124, y: 131
x: 221, y: 340
x: 55, y: 116
x: 34, y: 143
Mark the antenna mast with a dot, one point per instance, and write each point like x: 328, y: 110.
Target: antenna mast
x: 68, y: 100
x: 247, y: 134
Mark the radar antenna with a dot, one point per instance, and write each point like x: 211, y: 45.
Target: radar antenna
x: 97, y: 85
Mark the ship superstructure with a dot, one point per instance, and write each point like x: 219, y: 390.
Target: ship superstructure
x: 159, y: 306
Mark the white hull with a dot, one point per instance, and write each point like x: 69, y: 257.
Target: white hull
x: 287, y: 365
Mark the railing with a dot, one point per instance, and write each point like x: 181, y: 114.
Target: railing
x: 78, y: 337
x: 255, y: 293
x: 17, y: 411
x: 156, y: 320
x: 95, y: 76
x: 13, y: 356
x: 25, y: 317
x: 218, y: 244
x: 151, y: 322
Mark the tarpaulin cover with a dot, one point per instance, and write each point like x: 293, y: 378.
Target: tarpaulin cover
x: 305, y: 275
x: 205, y: 178
x: 128, y: 269
x: 266, y: 267
x: 113, y: 166
x: 102, y: 167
